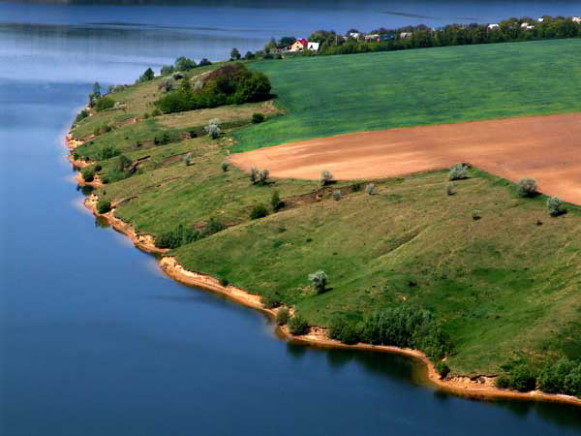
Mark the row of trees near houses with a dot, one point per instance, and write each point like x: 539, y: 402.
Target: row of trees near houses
x: 383, y: 39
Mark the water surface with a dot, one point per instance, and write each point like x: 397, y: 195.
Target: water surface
x: 95, y: 340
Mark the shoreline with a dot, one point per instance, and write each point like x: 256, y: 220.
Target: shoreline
x: 480, y: 387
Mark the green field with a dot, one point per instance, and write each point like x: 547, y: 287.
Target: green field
x: 326, y: 96
x: 503, y: 287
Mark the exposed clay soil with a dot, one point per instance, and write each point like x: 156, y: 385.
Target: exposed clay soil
x: 547, y: 148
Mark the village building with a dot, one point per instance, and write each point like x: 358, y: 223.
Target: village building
x: 492, y: 26
x: 576, y: 20
x: 405, y: 35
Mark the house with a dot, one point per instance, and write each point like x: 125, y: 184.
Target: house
x: 313, y: 46
x: 298, y: 45
x: 372, y: 37
x: 354, y: 35
x: 576, y: 20
x: 405, y: 35
x: 526, y: 26
x: 540, y: 20
x: 492, y: 26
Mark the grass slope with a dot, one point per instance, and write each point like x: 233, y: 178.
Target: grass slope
x: 326, y: 96
x: 503, y: 286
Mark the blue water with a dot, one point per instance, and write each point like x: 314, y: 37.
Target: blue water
x: 96, y: 341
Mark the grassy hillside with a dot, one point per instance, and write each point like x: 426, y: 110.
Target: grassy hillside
x: 503, y: 287
x: 326, y: 96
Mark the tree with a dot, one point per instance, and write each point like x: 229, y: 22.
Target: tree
x: 97, y: 89
x: 442, y: 369
x: 146, y: 76
x: 337, y: 195
x: 527, y: 187
x: 225, y: 165
x: 103, y: 205
x: 258, y: 211
x: 166, y: 70
x: 319, y: 281
x: 286, y: 41
x: 370, y: 189
x: 184, y: 64
x: 213, y: 128
x: 253, y: 175
x: 326, y: 177
x: 257, y: 118
x: 263, y: 176
x: 282, y: 316
x: 298, y: 325
x: 204, y: 62
x: 235, y: 54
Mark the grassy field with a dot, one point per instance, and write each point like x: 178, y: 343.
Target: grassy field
x: 326, y: 96
x: 503, y: 286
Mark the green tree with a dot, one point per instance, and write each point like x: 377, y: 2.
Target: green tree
x: 319, y: 281
x: 235, y: 54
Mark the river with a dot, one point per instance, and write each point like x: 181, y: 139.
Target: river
x: 95, y: 340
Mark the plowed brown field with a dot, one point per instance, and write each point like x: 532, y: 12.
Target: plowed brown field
x: 547, y: 148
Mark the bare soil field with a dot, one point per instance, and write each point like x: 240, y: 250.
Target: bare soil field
x: 547, y: 148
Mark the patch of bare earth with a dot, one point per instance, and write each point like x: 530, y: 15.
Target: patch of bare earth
x: 547, y: 148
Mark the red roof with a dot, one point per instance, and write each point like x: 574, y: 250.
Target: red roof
x: 303, y: 42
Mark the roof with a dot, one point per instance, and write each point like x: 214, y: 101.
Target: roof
x: 302, y: 41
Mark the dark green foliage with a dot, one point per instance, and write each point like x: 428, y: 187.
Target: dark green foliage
x: 81, y: 115
x: 146, y: 76
x: 166, y: 138
x: 88, y: 174
x: 522, y: 378
x: 231, y: 84
x: 442, y: 369
x: 106, y: 152
x: 271, y: 301
x: 502, y: 382
x: 276, y: 202
x: 356, y: 187
x: 562, y: 377
x: 104, y: 103
x: 257, y: 118
x: 177, y: 237
x: 235, y: 54
x: 319, y: 281
x: 211, y: 227
x: 406, y: 326
x: 258, y: 211
x: 298, y: 326
x: 224, y: 281
x: 166, y: 70
x: 282, y: 316
x: 184, y: 64
x: 345, y: 330
x: 204, y: 62
x: 103, y: 205
x: 224, y: 166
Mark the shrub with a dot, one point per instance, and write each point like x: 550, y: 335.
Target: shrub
x: 326, y: 177
x: 356, y: 187
x: 187, y: 158
x: 345, y: 330
x: 204, y: 62
x: 166, y: 70
x: 527, y: 187
x: 225, y: 165
x: 253, y: 175
x: 224, y: 281
x: 276, y: 202
x: 88, y: 174
x: 184, y: 64
x: 258, y: 211
x: 522, y: 379
x: 451, y: 189
x: 563, y: 377
x: 211, y: 227
x: 271, y: 301
x: 104, y: 103
x: 213, y: 128
x: 177, y: 237
x: 263, y: 176
x: 257, y: 118
x: 555, y: 206
x: 476, y: 215
x: 106, y: 152
x: 458, y: 172
x: 282, y: 316
x: 319, y: 281
x: 406, y: 326
x: 370, y: 189
x: 442, y: 369
x: 81, y: 115
x: 103, y: 205
x: 298, y: 326
x: 336, y: 195
x: 502, y: 382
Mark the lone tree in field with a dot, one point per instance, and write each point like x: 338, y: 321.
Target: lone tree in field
x: 253, y: 175
x: 263, y: 176
x: 326, y: 177
x: 319, y: 281
x: 527, y: 187
x: 213, y: 128
x: 276, y: 202
x: 555, y: 206
x: 370, y: 189
x: 458, y: 172
x: 235, y: 54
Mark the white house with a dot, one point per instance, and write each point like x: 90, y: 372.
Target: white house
x: 576, y: 20
x: 526, y: 26
x: 354, y: 35
x: 405, y: 35
x: 492, y: 26
x: 313, y: 46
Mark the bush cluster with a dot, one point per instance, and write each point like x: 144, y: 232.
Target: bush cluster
x: 88, y: 174
x: 401, y: 326
x: 231, y: 84
x: 458, y: 172
x: 562, y: 377
x: 103, y: 205
x: 527, y: 187
x: 520, y: 378
x: 182, y: 235
x: 298, y: 326
x: 104, y: 103
x: 282, y: 316
x: 81, y: 115
x: 258, y: 211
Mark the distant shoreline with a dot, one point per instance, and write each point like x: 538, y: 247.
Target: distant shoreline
x: 480, y: 387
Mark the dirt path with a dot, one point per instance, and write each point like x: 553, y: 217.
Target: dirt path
x: 547, y: 148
